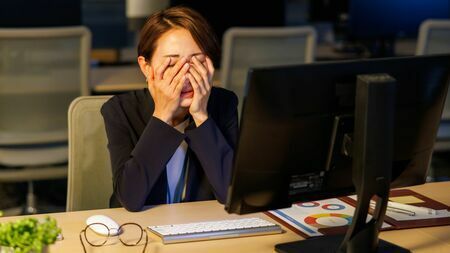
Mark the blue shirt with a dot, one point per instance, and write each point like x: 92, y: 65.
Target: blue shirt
x: 175, y: 169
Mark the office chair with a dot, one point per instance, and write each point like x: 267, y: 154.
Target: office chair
x: 89, y: 177
x: 434, y: 38
x: 41, y: 71
x: 243, y: 48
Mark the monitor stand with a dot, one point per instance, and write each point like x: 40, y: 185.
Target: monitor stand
x: 372, y: 152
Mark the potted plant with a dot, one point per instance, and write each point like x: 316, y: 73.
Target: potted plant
x: 28, y: 235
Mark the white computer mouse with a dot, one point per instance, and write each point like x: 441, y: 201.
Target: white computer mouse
x: 100, y: 229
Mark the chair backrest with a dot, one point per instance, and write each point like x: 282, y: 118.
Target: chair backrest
x: 262, y: 47
x: 89, y: 177
x: 434, y: 38
x: 41, y: 71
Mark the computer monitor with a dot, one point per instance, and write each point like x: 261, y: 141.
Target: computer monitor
x: 379, y: 23
x: 297, y: 130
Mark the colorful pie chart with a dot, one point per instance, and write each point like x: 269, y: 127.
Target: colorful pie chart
x: 326, y: 220
x: 333, y: 207
x: 309, y: 204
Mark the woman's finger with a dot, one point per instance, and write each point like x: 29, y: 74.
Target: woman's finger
x: 200, y: 67
x: 194, y: 84
x: 178, y: 67
x: 210, y: 66
x: 198, y: 79
x: 179, y: 86
x: 195, y: 74
x: 162, y: 68
x: 179, y: 76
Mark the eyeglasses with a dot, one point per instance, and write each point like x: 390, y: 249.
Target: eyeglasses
x: 129, y: 234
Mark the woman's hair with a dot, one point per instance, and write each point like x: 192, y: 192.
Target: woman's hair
x: 177, y: 17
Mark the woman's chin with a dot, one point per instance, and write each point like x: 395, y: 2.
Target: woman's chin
x: 185, y: 102
x: 186, y: 98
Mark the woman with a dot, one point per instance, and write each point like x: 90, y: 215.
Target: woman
x: 175, y: 140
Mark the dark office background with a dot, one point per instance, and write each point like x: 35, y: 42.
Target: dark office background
x: 363, y: 28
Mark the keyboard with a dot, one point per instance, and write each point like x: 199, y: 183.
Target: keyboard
x: 210, y: 230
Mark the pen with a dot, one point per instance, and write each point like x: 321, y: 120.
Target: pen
x: 400, y: 210
x: 416, y: 209
x: 396, y: 210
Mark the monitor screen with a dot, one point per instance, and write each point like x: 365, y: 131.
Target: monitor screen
x: 370, y: 19
x: 296, y: 121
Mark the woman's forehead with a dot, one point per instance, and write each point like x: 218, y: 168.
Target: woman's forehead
x: 176, y: 42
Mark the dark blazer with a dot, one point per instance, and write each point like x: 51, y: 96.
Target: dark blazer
x: 140, y: 146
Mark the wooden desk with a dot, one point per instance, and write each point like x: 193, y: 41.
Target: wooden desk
x: 327, y: 52
x: 116, y: 79
x: 431, y: 239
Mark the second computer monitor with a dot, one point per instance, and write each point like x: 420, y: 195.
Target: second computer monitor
x: 297, y: 125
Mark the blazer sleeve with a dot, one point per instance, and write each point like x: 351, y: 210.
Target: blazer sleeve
x: 214, y: 146
x: 136, y: 168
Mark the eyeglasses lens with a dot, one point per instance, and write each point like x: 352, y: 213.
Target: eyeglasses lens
x: 131, y: 235
x: 94, y: 238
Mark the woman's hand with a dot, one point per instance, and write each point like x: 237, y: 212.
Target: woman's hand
x: 165, y: 86
x: 200, y: 76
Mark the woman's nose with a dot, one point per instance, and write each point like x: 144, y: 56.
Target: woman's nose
x: 189, y: 59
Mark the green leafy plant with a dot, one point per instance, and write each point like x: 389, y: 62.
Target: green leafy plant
x: 28, y: 234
